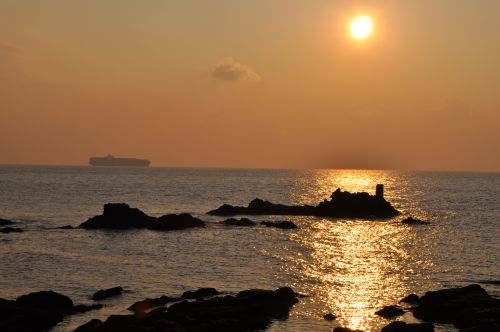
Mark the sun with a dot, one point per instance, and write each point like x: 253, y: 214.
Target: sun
x: 361, y: 27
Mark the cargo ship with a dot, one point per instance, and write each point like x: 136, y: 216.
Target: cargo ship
x: 109, y: 160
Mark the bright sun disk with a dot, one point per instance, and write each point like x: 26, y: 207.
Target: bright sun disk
x: 361, y: 27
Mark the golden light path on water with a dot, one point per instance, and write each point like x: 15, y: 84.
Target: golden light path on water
x: 355, y: 267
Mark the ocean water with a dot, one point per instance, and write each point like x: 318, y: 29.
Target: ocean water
x: 348, y: 267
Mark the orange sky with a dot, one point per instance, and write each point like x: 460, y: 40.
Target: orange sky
x: 228, y: 83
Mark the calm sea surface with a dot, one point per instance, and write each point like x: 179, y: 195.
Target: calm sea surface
x: 348, y: 267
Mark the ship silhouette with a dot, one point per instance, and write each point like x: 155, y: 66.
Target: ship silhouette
x: 110, y: 160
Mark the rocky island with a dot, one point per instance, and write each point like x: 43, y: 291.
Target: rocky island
x: 342, y: 204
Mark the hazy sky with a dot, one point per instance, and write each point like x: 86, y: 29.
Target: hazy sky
x: 251, y: 83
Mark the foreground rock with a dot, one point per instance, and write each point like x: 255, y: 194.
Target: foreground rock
x: 37, y: 311
x: 107, y: 293
x: 469, y: 308
x: 404, y: 327
x: 412, y: 221
x: 390, y: 311
x: 121, y: 216
x: 238, y: 222
x: 10, y: 230
x: 279, y: 224
x: 5, y: 222
x: 248, y: 310
x: 342, y: 204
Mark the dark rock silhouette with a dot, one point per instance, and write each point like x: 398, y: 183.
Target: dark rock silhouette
x: 285, y: 224
x: 121, y: 216
x: 66, y: 227
x: 404, y: 327
x: 390, y: 311
x: 5, y: 222
x: 140, y: 307
x: 106, y: 293
x: 410, y: 299
x: 238, y: 222
x: 248, y: 310
x: 345, y: 329
x: 37, y: 311
x: 469, y: 308
x: 330, y: 316
x: 200, y: 293
x: 81, y: 308
x: 342, y: 204
x: 10, y: 230
x: 412, y: 221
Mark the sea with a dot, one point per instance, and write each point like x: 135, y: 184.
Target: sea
x: 348, y: 267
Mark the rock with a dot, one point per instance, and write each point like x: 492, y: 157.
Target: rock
x: 89, y: 326
x: 10, y: 230
x: 345, y: 329
x: 106, y: 293
x: 248, y: 310
x: 82, y: 308
x: 279, y: 224
x: 469, y: 308
x: 390, y: 311
x: 200, y: 293
x: 342, y: 204
x: 330, y: 316
x: 404, y: 327
x: 121, y: 216
x: 140, y: 307
x: 411, y: 299
x: 66, y: 227
x: 5, y: 222
x: 48, y: 300
x: 238, y: 222
x: 411, y: 221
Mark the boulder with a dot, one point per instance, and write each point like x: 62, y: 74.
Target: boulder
x: 410, y: 299
x: 200, y: 293
x: 404, y: 327
x: 5, y: 222
x: 48, y: 300
x: 121, y: 216
x: 238, y: 222
x: 10, y: 230
x: 330, y: 316
x: 390, y: 311
x: 342, y: 204
x: 412, y: 221
x: 285, y: 224
x: 106, y: 293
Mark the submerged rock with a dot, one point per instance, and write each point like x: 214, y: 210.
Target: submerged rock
x: 200, y: 293
x: 412, y: 221
x: 10, y: 230
x: 5, y: 222
x: 390, y: 311
x: 404, y: 327
x: 38, y: 311
x: 106, y: 293
x: 285, y: 224
x: 121, y: 216
x: 342, y: 204
x: 238, y: 222
x: 248, y: 310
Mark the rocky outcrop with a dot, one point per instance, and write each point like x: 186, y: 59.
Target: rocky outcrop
x: 238, y: 222
x: 37, y: 311
x: 10, y: 230
x: 390, y: 311
x: 4, y: 222
x: 412, y: 221
x: 342, y: 204
x: 121, y: 216
x: 469, y: 308
x: 248, y: 310
x: 404, y: 327
x: 107, y: 293
x: 285, y: 224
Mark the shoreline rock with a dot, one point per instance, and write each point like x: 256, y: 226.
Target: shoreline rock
x: 140, y: 307
x: 342, y: 204
x: 390, y: 311
x: 120, y: 216
x: 412, y: 221
x: 200, y: 293
x: 399, y: 326
x: 285, y: 224
x: 245, y: 222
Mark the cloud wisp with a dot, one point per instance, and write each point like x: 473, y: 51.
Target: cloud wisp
x: 231, y: 70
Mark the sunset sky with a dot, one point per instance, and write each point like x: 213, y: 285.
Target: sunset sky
x: 226, y: 83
